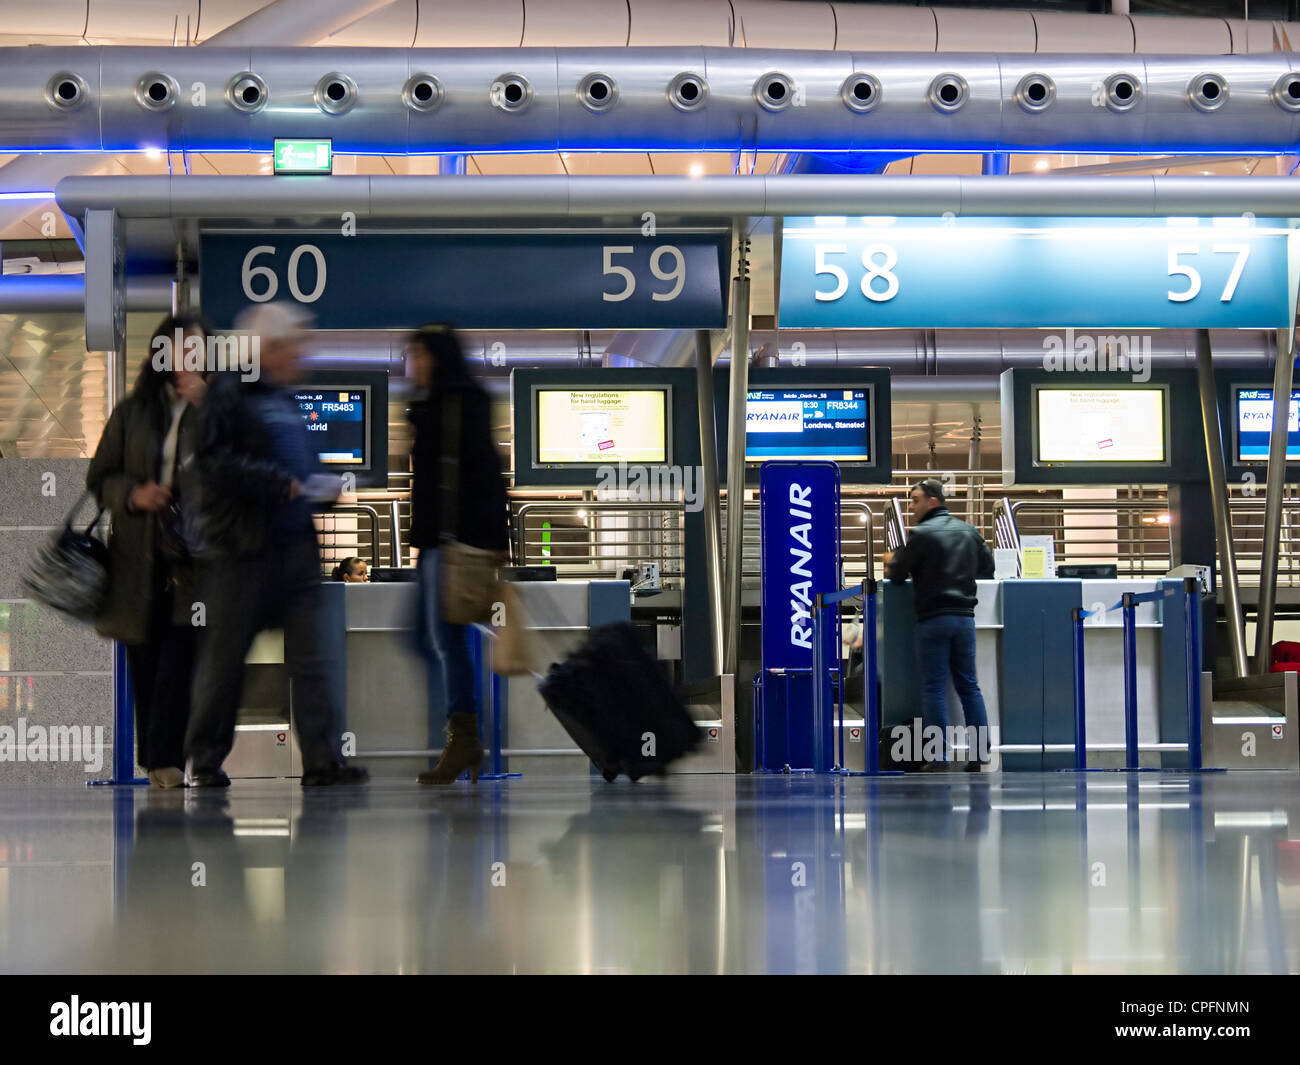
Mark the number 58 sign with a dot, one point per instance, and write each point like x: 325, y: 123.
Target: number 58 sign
x: 1000, y: 272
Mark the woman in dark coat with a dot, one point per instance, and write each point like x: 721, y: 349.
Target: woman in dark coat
x: 143, y: 474
x: 448, y: 397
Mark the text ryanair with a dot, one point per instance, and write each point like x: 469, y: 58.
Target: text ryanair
x: 800, y: 576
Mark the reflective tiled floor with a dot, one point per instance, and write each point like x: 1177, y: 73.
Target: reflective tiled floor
x: 998, y: 873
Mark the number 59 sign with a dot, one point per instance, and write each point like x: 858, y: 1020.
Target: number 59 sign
x: 1010, y: 272
x: 498, y: 280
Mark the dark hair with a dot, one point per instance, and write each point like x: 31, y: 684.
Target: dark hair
x: 932, y: 488
x: 149, y: 384
x: 345, y: 568
x: 443, y: 345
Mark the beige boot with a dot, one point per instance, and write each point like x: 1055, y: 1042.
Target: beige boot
x: 463, y: 751
x: 171, y: 777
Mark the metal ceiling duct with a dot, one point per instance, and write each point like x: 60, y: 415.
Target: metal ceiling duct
x: 564, y: 197
x: 441, y: 101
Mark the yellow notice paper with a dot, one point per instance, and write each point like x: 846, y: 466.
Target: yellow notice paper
x: 1033, y: 563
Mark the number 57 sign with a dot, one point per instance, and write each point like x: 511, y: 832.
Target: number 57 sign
x: 1017, y: 272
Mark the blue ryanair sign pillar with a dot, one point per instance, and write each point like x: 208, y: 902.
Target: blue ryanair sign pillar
x: 800, y: 507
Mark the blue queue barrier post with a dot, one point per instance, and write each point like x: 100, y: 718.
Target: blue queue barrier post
x: 1129, y: 608
x: 123, y: 726
x: 495, y: 700
x: 870, y: 680
x: 1192, y: 631
x: 1080, y: 710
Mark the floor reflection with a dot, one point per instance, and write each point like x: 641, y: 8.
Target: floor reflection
x: 991, y: 873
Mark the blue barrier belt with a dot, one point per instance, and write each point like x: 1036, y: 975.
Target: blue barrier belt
x: 1138, y: 597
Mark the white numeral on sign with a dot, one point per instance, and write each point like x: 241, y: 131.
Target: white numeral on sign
x: 880, y: 270
x: 823, y: 267
x: 878, y: 262
x: 315, y: 253
x: 622, y: 271
x: 1242, y: 252
x: 249, y: 272
x: 676, y: 275
x: 1177, y: 269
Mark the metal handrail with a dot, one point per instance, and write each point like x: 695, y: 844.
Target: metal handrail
x: 895, y: 528
x: 669, y: 544
x: 359, y: 508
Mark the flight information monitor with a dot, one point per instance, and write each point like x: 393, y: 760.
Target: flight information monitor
x: 601, y: 426
x: 1254, y: 424
x: 808, y: 423
x: 1100, y: 426
x: 338, y: 419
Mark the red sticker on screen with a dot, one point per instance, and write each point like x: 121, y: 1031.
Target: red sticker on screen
x: 1108, y: 442
x: 605, y: 444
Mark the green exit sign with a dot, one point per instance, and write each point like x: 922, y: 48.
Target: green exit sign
x: 304, y: 157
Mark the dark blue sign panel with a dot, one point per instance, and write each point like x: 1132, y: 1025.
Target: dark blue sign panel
x: 516, y: 280
x: 1217, y: 273
x: 800, y: 507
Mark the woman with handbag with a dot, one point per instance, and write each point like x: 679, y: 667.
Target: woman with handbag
x: 459, y: 525
x: 141, y: 471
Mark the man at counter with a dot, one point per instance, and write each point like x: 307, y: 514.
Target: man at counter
x: 944, y: 557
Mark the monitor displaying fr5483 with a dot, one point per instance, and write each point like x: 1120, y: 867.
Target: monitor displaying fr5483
x: 338, y: 421
x: 600, y: 426
x: 1254, y: 424
x: 1100, y: 426
x: 808, y: 424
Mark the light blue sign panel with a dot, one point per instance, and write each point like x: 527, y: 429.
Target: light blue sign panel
x: 858, y: 273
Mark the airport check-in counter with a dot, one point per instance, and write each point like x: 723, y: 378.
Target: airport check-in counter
x: 394, y: 724
x: 1024, y: 642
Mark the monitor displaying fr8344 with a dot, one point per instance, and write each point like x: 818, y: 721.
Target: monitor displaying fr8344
x: 1100, y: 426
x: 599, y: 426
x: 808, y: 424
x: 338, y: 419
x: 1253, y: 424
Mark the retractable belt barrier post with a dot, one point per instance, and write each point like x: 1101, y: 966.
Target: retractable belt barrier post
x: 1128, y: 603
x: 866, y: 591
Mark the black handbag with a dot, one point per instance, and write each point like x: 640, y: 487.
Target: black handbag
x: 70, y: 571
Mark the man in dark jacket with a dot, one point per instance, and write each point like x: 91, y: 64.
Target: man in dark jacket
x: 944, y: 557
x: 259, y: 477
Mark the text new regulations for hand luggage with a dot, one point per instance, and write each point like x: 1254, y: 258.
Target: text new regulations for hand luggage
x: 800, y: 504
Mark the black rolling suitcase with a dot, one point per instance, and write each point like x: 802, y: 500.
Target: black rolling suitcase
x: 613, y: 697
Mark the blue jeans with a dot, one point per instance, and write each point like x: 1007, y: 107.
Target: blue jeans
x: 445, y: 646
x: 945, y: 644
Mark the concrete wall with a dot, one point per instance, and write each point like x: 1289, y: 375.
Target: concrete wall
x: 53, y: 671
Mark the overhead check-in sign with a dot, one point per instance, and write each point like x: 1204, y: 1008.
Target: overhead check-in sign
x: 1025, y: 272
x: 478, y: 280
x: 303, y: 156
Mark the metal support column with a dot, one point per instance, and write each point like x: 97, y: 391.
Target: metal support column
x: 1219, y: 496
x: 1283, y: 373
x: 712, y: 502
x: 736, y: 456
